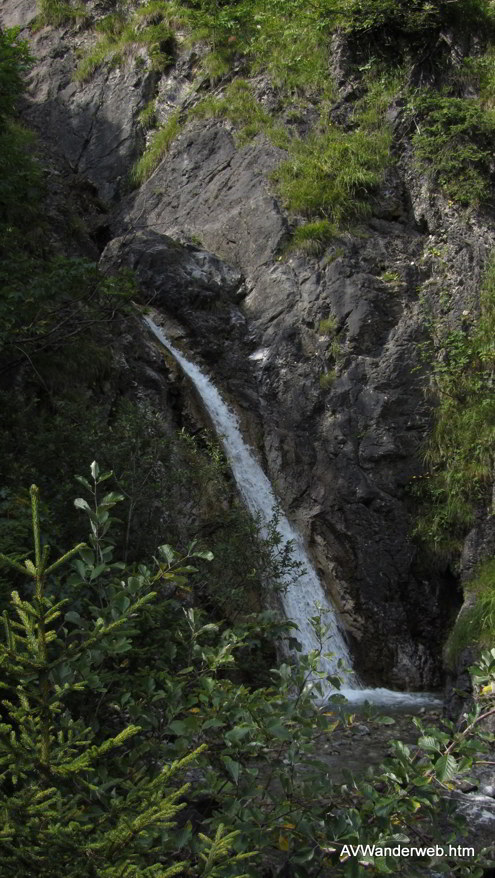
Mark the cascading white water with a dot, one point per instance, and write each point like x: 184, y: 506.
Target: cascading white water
x: 300, y: 600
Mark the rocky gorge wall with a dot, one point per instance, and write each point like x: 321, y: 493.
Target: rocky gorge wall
x: 206, y: 236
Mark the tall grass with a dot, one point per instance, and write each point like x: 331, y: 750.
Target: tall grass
x: 158, y: 146
x: 59, y: 12
x: 120, y: 35
x: 239, y: 105
x: 331, y: 173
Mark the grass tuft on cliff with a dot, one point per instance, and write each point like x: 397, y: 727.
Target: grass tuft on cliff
x: 331, y: 172
x: 156, y: 149
x: 120, y: 36
x: 60, y: 12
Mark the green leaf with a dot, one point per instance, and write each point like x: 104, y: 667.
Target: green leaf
x: 87, y: 555
x: 178, y: 727
x: 232, y: 767
x: 207, y: 555
x: 84, y: 482
x: 111, y: 499
x: 167, y: 552
x: 95, y: 470
x: 81, y: 568
x: 278, y: 731
x: 80, y: 503
x: 429, y: 743
x: 446, y: 768
x: 235, y: 735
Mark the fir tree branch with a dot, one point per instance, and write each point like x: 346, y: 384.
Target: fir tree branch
x: 4, y: 559
x: 68, y: 555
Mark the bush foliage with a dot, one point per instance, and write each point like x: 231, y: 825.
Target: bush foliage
x: 475, y: 625
x: 127, y: 746
x: 453, y: 144
x: 460, y: 451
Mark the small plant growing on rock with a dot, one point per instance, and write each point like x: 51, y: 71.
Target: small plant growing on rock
x: 156, y: 149
x: 475, y: 625
x: 314, y: 236
x: 59, y: 12
x: 147, y: 116
x: 328, y: 325
x: 121, y: 35
x: 327, y: 379
x: 390, y: 277
x: 459, y: 455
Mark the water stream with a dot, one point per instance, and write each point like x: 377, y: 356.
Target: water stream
x: 302, y: 598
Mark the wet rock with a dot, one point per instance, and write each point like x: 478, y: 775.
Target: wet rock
x: 172, y: 276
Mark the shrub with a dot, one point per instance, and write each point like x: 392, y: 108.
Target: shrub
x: 72, y: 793
x: 475, y: 625
x: 15, y: 59
x: 460, y: 451
x: 392, y: 28
x: 20, y: 177
x: 115, y: 687
x: 479, y: 72
x: 20, y: 187
x: 454, y: 145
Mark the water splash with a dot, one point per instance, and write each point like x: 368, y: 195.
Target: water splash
x: 301, y: 599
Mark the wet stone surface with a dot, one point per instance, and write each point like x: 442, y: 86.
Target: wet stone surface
x: 362, y: 739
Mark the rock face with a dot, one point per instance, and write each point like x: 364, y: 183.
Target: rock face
x: 91, y: 126
x: 321, y: 355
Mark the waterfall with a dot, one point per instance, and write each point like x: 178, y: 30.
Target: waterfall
x: 302, y: 598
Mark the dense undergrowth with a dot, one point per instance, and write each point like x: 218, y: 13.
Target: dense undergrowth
x: 476, y: 622
x: 457, y: 487
x: 460, y: 451
x: 129, y: 748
